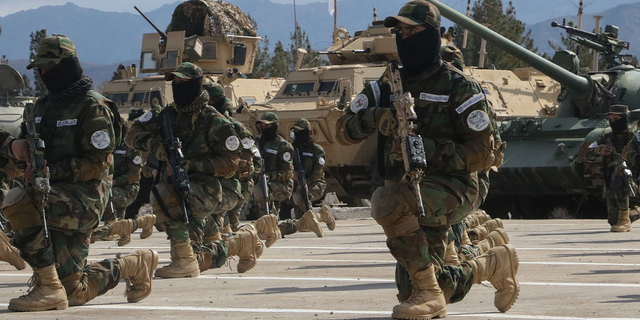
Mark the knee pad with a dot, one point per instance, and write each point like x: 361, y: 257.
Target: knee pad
x: 19, y: 208
x: 393, y: 211
x: 170, y: 201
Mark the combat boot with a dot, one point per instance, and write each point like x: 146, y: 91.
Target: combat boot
x: 426, y: 300
x: 624, y: 224
x: 451, y: 255
x: 9, y: 253
x: 479, y: 233
x: 227, y: 228
x: 137, y: 270
x: 325, y: 216
x: 495, y: 238
x: 45, y: 292
x: 110, y: 237
x: 243, y: 245
x: 499, y: 266
x: 267, y: 227
x: 465, y: 238
x: 146, y: 222
x: 308, y: 222
x: 123, y: 229
x: 213, y: 237
x: 481, y: 216
x: 183, y: 262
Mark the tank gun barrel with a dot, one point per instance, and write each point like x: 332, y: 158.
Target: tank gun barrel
x: 577, y: 84
x: 162, y: 34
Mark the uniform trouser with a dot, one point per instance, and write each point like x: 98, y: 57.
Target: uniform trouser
x: 278, y: 191
x: 233, y: 216
x: 215, y: 221
x: 70, y: 224
x: 316, y: 190
x: 469, y: 251
x: 217, y: 251
x: 614, y: 206
x: 123, y: 197
x: 426, y: 246
x: 483, y: 189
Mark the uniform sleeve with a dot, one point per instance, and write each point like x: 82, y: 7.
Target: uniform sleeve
x: 469, y: 112
x: 226, y: 146
x: 145, y: 128
x: 359, y: 122
x: 134, y: 166
x: 97, y: 141
x: 630, y: 152
x: 318, y: 164
x: 591, y: 151
x: 285, y: 164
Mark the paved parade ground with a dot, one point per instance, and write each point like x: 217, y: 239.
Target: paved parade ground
x: 569, y: 269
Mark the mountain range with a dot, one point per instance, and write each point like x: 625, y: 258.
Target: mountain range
x: 105, y: 39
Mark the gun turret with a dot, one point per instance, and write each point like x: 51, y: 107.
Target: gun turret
x: 162, y: 34
x: 606, y: 42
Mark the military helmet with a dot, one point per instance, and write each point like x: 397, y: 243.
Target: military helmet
x: 453, y: 55
x: 185, y: 70
x: 51, y: 50
x: 618, y: 109
x: 416, y: 12
x: 301, y: 124
x: 215, y: 90
x: 268, y: 118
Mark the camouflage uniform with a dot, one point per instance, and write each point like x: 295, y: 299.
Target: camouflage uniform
x: 211, y: 154
x: 128, y: 164
x: 617, y: 182
x: 77, y: 126
x: 457, y: 133
x: 278, y: 161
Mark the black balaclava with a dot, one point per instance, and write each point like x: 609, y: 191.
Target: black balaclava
x: 186, y: 92
x: 301, y: 136
x: 218, y: 103
x: 419, y: 51
x: 270, y: 133
x: 63, y: 75
x: 620, y: 125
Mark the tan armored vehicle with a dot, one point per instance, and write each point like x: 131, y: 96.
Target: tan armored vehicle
x: 321, y: 93
x: 216, y: 36
x: 11, y: 101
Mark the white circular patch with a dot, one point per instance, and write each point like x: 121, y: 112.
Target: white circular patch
x: 321, y: 161
x: 256, y: 152
x: 100, y: 139
x: 247, y: 143
x: 232, y: 143
x: 478, y: 120
x: 146, y: 116
x: 359, y: 103
x: 137, y: 160
x: 286, y: 156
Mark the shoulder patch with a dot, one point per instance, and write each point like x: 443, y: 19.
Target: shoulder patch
x: 286, y: 156
x: 272, y: 151
x: 232, y: 143
x: 146, y: 116
x: 478, y: 120
x: 137, y: 160
x: 38, y: 119
x: 247, y: 143
x: 359, y: 103
x: 321, y: 161
x: 473, y: 100
x: 100, y: 139
x: 308, y: 154
x: 434, y: 97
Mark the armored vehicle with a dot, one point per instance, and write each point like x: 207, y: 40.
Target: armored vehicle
x: 321, y: 93
x: 545, y: 164
x: 215, y: 35
x: 11, y: 101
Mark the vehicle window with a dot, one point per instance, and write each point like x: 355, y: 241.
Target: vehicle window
x: 304, y: 87
x: 140, y: 97
x: 249, y: 99
x: 327, y: 86
x: 147, y: 62
x: 117, y: 97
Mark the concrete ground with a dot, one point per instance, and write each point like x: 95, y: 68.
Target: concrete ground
x: 569, y: 269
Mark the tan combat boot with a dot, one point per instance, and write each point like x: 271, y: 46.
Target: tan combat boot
x: 243, y: 245
x: 267, y: 227
x: 451, y: 255
x: 9, y: 253
x: 123, y: 229
x: 308, y: 223
x: 499, y: 265
x: 211, y: 238
x: 137, y: 270
x: 227, y: 228
x: 624, y: 224
x: 146, y: 223
x: 495, y: 238
x: 479, y: 233
x: 465, y: 238
x: 426, y: 300
x: 46, y: 292
x: 183, y: 262
x: 325, y: 216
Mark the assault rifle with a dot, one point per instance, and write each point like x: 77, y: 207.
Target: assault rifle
x: 41, y: 185
x: 265, y: 187
x: 413, y: 154
x: 302, y: 179
x: 175, y: 160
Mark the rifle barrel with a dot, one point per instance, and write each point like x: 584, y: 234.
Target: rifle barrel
x: 162, y: 34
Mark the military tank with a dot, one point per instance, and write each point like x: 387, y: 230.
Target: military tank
x: 321, y: 93
x: 11, y: 101
x: 545, y: 164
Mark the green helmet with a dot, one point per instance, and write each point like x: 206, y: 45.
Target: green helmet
x: 51, y: 50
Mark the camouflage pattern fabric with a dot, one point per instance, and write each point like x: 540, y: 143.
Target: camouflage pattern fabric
x: 217, y: 250
x: 457, y: 133
x: 278, y: 161
x: 469, y: 251
x: 312, y: 159
x: 127, y: 163
x: 452, y: 55
x: 211, y: 149
x: 79, y: 135
x: 210, y: 18
x: 617, y: 187
x: 51, y: 50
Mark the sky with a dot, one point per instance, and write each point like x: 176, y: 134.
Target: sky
x: 12, y: 6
